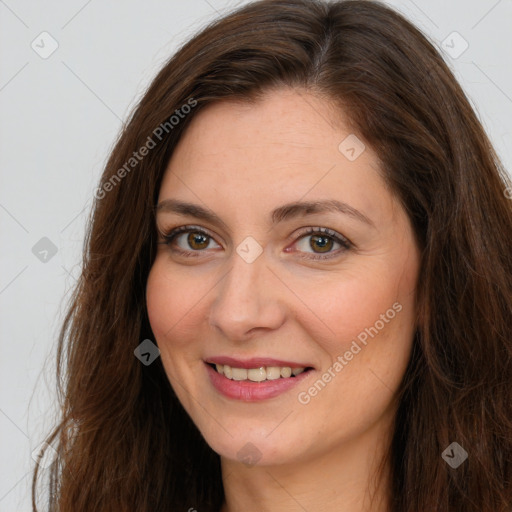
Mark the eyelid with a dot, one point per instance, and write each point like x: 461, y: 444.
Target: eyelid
x: 168, y: 233
x: 171, y: 234
x: 310, y: 230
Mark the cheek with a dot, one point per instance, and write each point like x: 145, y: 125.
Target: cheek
x: 368, y: 319
x: 368, y: 327
x: 170, y: 298
x: 160, y: 301
x: 349, y: 308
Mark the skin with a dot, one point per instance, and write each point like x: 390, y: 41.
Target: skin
x: 243, y: 160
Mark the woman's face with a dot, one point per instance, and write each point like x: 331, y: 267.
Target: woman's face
x: 267, y: 286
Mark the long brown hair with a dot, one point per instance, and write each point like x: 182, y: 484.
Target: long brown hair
x: 124, y: 442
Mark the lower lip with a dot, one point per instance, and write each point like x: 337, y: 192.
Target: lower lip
x: 249, y: 391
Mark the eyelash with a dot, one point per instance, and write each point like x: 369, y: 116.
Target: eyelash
x: 344, y: 242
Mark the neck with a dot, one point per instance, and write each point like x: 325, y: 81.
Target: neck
x: 352, y: 477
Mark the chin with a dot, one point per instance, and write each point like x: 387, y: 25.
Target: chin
x: 252, y: 449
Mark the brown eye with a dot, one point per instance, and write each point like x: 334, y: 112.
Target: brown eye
x: 188, y: 240
x: 197, y: 240
x: 323, y: 243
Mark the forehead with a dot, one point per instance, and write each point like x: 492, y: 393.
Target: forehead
x: 284, y: 147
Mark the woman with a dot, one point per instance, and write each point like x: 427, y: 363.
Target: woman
x: 296, y: 289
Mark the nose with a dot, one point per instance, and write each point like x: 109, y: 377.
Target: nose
x: 249, y: 300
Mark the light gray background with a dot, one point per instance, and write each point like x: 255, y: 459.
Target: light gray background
x: 59, y: 117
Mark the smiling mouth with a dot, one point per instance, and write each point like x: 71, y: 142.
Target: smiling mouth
x: 260, y: 374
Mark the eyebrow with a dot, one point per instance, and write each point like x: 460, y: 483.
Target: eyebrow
x: 280, y: 214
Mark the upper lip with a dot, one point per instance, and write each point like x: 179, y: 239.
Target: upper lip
x: 255, y: 362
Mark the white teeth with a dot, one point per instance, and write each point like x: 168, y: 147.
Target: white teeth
x: 286, y: 372
x: 239, y: 373
x: 228, y: 372
x: 273, y: 372
x: 258, y: 374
